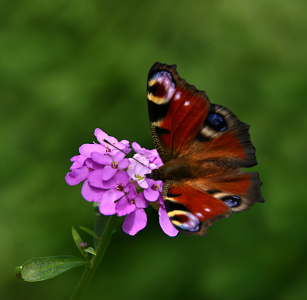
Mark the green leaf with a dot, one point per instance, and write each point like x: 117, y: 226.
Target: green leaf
x: 89, y: 231
x: 78, y: 240
x: 42, y: 268
x: 90, y: 250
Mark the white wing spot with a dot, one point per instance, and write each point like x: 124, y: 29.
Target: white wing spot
x: 207, y: 209
x: 167, y: 81
x: 177, y: 95
x: 186, y: 103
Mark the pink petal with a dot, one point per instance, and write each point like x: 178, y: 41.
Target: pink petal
x: 119, y: 156
x: 78, y: 161
x: 125, y: 142
x: 147, y: 152
x: 95, y: 179
x: 156, y: 160
x: 135, y: 221
x: 77, y: 175
x: 93, y: 165
x: 166, y: 224
x: 131, y: 191
x: 144, y: 171
x: 101, y: 159
x: 161, y: 201
x: 131, y: 172
x: 100, y: 135
x: 152, y: 182
x: 142, y: 160
x: 87, y: 149
x: 137, y: 148
x: 74, y: 158
x: 124, y: 145
x: 124, y: 207
x: 90, y: 193
x: 154, y: 152
x: 151, y: 195
x: 112, y: 140
x: 127, y: 150
x: 123, y: 164
x: 140, y: 201
x: 121, y: 177
x: 108, y: 172
x: 108, y: 184
x: 107, y: 202
x: 143, y: 183
x: 138, y: 167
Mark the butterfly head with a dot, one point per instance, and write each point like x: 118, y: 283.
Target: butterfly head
x: 175, y: 169
x: 156, y: 174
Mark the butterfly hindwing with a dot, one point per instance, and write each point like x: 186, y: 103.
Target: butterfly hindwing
x: 209, y: 199
x: 191, y: 210
x: 239, y: 190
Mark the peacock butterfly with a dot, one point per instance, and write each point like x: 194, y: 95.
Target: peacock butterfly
x: 203, y: 147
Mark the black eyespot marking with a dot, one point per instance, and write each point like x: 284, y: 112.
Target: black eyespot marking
x: 216, y: 122
x: 171, y: 205
x: 202, y: 138
x: 157, y: 112
x: 170, y: 195
x: 158, y: 90
x: 211, y: 192
x: 153, y: 89
x: 232, y: 201
x: 161, y: 130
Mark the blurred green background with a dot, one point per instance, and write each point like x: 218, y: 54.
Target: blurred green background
x: 67, y: 67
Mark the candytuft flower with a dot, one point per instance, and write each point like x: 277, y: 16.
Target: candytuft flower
x: 118, y: 184
x: 137, y: 172
x: 154, y: 190
x: 118, y: 189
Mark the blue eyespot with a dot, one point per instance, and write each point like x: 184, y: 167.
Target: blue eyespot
x: 216, y: 122
x: 232, y: 201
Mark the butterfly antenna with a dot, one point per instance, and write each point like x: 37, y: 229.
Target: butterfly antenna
x: 122, y: 196
x: 124, y: 152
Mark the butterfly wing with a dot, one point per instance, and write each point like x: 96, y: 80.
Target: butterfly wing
x: 210, y: 141
x: 180, y: 115
x: 193, y: 205
x: 224, y: 139
x: 173, y: 107
x: 191, y: 210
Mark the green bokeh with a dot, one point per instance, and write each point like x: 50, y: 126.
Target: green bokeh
x: 68, y: 67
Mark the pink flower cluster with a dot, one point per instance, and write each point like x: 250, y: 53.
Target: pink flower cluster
x: 119, y: 184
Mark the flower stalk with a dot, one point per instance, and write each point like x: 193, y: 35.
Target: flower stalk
x: 96, y: 259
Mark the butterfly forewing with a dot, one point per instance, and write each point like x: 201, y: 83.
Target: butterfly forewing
x: 174, y: 108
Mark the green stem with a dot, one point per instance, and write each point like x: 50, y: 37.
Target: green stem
x: 90, y: 269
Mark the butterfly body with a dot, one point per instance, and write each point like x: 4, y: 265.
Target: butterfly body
x: 203, y: 147
x: 181, y: 169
